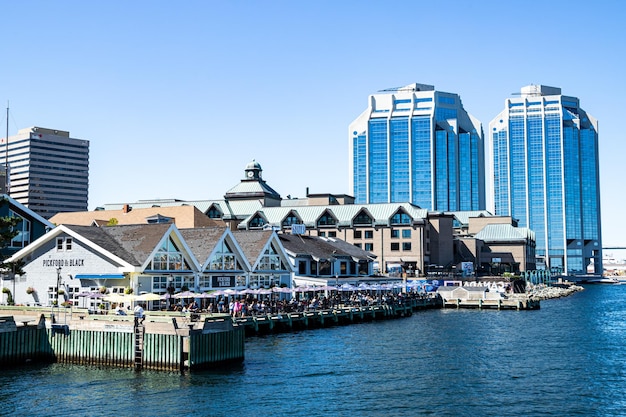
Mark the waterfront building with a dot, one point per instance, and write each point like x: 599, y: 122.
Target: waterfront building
x: 184, y: 216
x: 48, y: 171
x: 320, y: 261
x: 415, y: 144
x: 157, y: 258
x: 545, y: 173
x: 402, y: 236
x: 493, y: 244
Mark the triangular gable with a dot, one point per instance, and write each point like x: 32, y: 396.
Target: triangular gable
x: 400, y: 211
x: 214, y: 211
x: 329, y: 214
x: 258, y: 215
x: 127, y: 266
x: 25, y: 211
x: 292, y: 213
x: 229, y: 240
x: 174, y: 234
x: 360, y: 215
x: 274, y: 245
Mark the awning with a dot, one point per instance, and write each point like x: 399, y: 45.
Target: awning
x: 99, y: 276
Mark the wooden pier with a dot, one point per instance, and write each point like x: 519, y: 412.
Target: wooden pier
x: 341, y: 315
x: 122, y: 342
x: 499, y: 304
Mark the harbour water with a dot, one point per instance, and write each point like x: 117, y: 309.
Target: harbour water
x: 566, y: 359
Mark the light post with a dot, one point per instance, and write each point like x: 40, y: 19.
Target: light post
x: 58, y: 284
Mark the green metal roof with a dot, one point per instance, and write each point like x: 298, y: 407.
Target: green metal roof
x: 309, y: 215
x: 504, y: 233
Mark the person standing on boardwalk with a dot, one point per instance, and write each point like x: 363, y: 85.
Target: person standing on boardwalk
x: 139, y: 313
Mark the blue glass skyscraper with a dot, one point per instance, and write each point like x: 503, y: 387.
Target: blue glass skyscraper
x: 415, y: 144
x: 545, y: 173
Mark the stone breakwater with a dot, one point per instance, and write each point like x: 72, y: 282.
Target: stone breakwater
x: 544, y: 292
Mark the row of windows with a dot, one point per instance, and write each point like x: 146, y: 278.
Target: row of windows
x: 406, y: 246
x: 362, y: 219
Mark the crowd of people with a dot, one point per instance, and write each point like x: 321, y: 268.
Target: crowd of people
x: 250, y: 306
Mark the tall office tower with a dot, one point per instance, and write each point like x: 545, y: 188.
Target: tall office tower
x: 545, y: 173
x: 415, y: 144
x: 48, y: 170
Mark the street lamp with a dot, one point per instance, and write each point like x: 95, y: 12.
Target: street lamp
x: 58, y: 283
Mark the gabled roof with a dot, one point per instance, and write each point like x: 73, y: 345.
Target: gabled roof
x: 504, y: 233
x: 382, y: 213
x: 202, y: 241
x: 184, y: 216
x: 140, y: 240
x: 106, y: 241
x: 321, y: 248
x: 253, y: 242
x: 93, y: 237
x: 23, y: 210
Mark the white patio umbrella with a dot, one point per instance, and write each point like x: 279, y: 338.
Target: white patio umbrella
x: 150, y: 296
x: 119, y: 298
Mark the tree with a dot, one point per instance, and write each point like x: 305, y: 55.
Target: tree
x: 8, y: 231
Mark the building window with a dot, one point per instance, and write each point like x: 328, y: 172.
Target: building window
x: 343, y: 268
x: 406, y: 246
x: 270, y: 261
x: 257, y: 222
x: 406, y: 233
x: 64, y: 244
x: 322, y: 234
x: 369, y: 247
x: 302, y: 268
x: 401, y: 218
x: 289, y: 220
x: 332, y: 234
x: 358, y: 245
x: 395, y: 233
x: 395, y: 246
x: 168, y: 258
x: 214, y: 213
x: 369, y: 234
x: 22, y: 239
x: 362, y: 219
x: 224, y: 259
x: 326, y: 220
x: 357, y: 234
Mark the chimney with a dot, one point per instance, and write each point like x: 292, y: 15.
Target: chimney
x: 126, y: 208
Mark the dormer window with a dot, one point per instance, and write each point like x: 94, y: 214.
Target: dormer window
x: 327, y: 220
x: 291, y: 219
x: 362, y: 219
x: 214, y: 213
x: 257, y: 222
x: 401, y: 218
x: 158, y: 219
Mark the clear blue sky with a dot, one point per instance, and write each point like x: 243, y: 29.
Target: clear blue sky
x: 177, y: 97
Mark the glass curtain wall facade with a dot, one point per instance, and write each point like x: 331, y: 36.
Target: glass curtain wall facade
x: 545, y: 173
x: 415, y: 144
